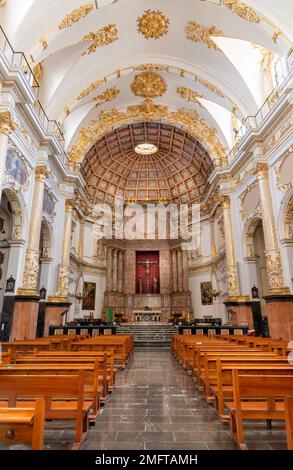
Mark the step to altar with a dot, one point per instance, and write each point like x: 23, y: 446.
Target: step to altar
x: 148, y: 335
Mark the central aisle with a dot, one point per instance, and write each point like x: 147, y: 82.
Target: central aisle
x: 155, y: 407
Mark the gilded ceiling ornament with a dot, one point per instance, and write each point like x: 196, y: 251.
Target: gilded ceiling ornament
x: 199, y: 33
x: 211, y: 87
x: 146, y: 67
x: 149, y: 85
x: 242, y: 10
x: 108, y: 95
x: 90, y: 88
x: 2, y: 3
x: 44, y: 42
x: 153, y: 24
x: 189, y: 95
x: 76, y: 15
x: 38, y: 71
x: 103, y: 37
x: 190, y: 120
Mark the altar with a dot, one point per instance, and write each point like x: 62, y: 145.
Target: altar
x: 146, y: 315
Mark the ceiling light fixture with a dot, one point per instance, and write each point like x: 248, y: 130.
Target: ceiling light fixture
x: 146, y: 149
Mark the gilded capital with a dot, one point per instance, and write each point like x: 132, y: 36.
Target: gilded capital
x: 7, y: 125
x: 69, y: 205
x: 261, y: 170
x: 225, y: 201
x: 41, y: 173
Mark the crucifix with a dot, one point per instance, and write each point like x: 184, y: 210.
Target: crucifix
x: 147, y: 264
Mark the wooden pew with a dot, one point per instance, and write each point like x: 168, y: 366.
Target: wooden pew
x: 248, y: 390
x: 289, y: 421
x: 120, y: 344
x: 207, y: 369
x: 223, y: 389
x: 19, y: 425
x: 64, y: 398
x: 93, y: 388
x: 102, y: 366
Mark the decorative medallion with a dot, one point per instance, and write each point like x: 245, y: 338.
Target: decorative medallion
x: 198, y: 33
x: 76, y: 15
x: 149, y: 85
x: 189, y: 95
x: 242, y: 10
x: 103, y: 37
x: 153, y: 24
x: 107, y: 95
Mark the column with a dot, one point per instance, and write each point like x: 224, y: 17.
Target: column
x: 58, y: 305
x: 31, y: 267
x: 179, y: 270
x: 236, y: 304
x: 7, y: 126
x: 26, y: 306
x: 109, y: 269
x: 120, y: 271
x: 232, y: 274
x: 115, y: 270
x: 63, y: 279
x: 174, y: 270
x: 185, y: 270
x: 279, y: 299
x: 273, y: 255
x: 81, y: 239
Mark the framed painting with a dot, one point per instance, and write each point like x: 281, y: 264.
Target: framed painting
x: 206, y: 296
x: 89, y: 296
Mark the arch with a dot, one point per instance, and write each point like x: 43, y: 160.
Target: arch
x: 285, y: 221
x: 19, y: 213
x: 248, y: 236
x: 46, y: 240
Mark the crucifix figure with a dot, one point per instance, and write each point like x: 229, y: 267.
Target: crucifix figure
x: 147, y: 264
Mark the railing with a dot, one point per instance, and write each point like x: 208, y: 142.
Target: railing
x: 18, y: 60
x: 253, y: 122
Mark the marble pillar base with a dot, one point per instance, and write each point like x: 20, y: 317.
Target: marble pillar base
x: 241, y: 313
x: 280, y: 316
x: 54, y: 314
x: 25, y: 317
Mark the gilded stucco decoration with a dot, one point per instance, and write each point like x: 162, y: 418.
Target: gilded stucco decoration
x: 188, y: 94
x: 190, y: 120
x: 93, y: 86
x: 209, y: 86
x: 289, y: 220
x: 2, y: 3
x: 76, y: 15
x: 103, y: 37
x: 7, y: 124
x: 153, y: 24
x: 108, y: 95
x: 242, y: 10
x: 198, y: 33
x: 284, y: 171
x: 44, y: 42
x: 149, y: 85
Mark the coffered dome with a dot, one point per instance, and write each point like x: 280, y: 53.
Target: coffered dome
x: 177, y: 172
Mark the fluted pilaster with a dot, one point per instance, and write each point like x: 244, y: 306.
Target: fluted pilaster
x: 273, y: 255
x: 180, y: 271
x: 31, y: 267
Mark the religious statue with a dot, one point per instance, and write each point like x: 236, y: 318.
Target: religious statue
x: 140, y: 285
x: 155, y: 285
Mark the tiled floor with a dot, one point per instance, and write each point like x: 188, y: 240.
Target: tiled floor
x: 155, y: 406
